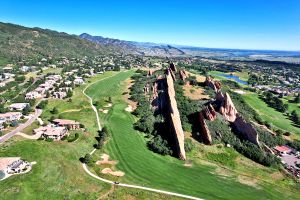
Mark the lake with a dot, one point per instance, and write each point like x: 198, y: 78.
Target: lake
x: 235, y: 78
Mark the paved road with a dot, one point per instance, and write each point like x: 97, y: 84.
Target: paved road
x: 122, y: 184
x: 5, y: 137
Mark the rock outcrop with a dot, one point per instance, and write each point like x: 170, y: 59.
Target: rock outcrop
x: 215, y: 85
x: 246, y: 129
x: 172, y: 67
x: 204, y: 131
x: 227, y: 108
x: 183, y: 75
x: 175, y: 122
x: 209, y: 113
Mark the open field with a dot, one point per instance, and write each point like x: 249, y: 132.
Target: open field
x: 143, y: 167
x: 270, y: 114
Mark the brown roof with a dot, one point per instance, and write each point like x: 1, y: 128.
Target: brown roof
x: 63, y: 122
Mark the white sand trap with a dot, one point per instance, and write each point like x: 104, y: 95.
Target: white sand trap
x: 129, y: 108
x: 240, y: 91
x: 110, y: 171
x: 105, y: 111
x: 33, y: 163
x: 108, y: 105
x: 105, y: 160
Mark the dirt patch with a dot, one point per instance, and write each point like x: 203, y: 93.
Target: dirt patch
x: 105, y: 160
x: 188, y: 163
x: 103, y: 111
x: 108, y: 105
x: 110, y: 171
x: 248, y: 181
x: 129, y: 83
x: 194, y: 92
x: 277, y: 176
x: 129, y: 108
x: 240, y: 92
x: 199, y: 78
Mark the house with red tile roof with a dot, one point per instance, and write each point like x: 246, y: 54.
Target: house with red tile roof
x: 69, y: 124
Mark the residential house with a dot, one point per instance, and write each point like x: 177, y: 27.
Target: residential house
x: 78, y: 81
x: 59, y: 95
x: 55, y: 133
x: 12, y: 165
x: 24, y: 68
x: 10, y: 116
x: 18, y: 106
x: 282, y: 150
x: 69, y: 124
x: 33, y: 95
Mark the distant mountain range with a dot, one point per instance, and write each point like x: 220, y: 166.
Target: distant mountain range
x: 138, y: 48
x: 18, y: 42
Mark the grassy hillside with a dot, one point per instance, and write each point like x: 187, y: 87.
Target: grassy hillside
x: 143, y: 167
x: 18, y: 42
x: 271, y: 115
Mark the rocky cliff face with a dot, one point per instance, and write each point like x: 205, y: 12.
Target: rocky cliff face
x: 209, y: 113
x: 175, y: 122
x: 204, y: 130
x: 246, y: 129
x: 227, y: 108
x: 183, y: 75
x: 215, y: 85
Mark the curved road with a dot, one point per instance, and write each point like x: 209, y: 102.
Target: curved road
x: 122, y: 184
x: 5, y: 137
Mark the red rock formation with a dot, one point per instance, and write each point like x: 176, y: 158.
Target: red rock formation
x: 175, y: 121
x: 183, y: 75
x: 246, y: 129
x: 209, y: 113
x: 227, y: 108
x: 215, y: 85
x: 219, y: 96
x: 150, y: 73
x: 172, y: 67
x: 204, y: 130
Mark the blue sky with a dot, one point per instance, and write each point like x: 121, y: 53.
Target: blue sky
x: 252, y: 24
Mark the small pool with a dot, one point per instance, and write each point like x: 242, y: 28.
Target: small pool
x: 233, y: 77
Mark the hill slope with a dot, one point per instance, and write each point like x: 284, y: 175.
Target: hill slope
x: 17, y: 42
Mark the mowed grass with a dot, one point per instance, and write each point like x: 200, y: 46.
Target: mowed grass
x: 143, y: 167
x: 270, y: 115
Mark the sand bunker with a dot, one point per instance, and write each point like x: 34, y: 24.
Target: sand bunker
x: 129, y: 108
x: 105, y: 160
x: 110, y: 171
x: 240, y: 91
x: 108, y: 105
x: 104, y: 111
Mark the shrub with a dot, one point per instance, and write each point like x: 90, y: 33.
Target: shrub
x: 188, y: 145
x: 159, y: 145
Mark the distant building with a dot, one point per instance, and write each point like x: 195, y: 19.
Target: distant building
x: 282, y: 149
x: 59, y: 95
x: 25, y: 68
x: 69, y: 124
x: 33, y: 95
x: 78, y: 81
x: 18, y: 106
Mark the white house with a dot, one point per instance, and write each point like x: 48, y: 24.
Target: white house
x: 78, y: 81
x: 55, y: 133
x: 33, y: 95
x: 59, y: 95
x: 18, y: 106
x: 10, y: 116
x: 13, y: 165
x: 24, y: 68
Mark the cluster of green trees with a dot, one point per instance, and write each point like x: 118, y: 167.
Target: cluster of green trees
x: 102, y: 135
x: 148, y: 122
x: 275, y: 102
x: 42, y: 104
x: 295, y: 117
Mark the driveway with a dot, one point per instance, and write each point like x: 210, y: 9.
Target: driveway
x: 5, y: 137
